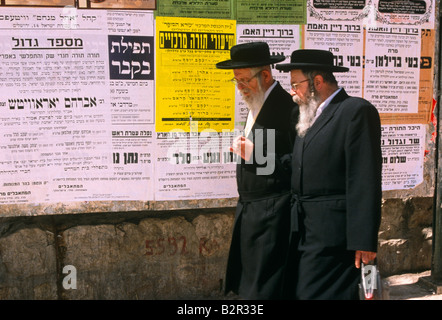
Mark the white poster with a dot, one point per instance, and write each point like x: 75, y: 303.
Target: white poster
x: 403, y: 156
x: 75, y: 125
x: 195, y: 165
x: 392, y: 69
x: 372, y: 13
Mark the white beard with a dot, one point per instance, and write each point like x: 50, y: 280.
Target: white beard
x: 307, y: 113
x: 255, y: 101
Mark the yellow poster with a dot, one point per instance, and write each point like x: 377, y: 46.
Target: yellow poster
x: 191, y: 93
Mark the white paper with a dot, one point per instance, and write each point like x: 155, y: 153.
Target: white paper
x: 75, y: 125
x: 392, y: 69
x: 403, y: 156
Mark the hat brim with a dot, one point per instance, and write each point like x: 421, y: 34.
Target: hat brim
x: 230, y: 64
x: 290, y: 66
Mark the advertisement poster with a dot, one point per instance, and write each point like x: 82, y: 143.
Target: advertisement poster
x: 215, y: 9
x: 195, y: 105
x: 74, y: 124
x: 373, y: 13
x: 392, y: 61
x: 270, y: 11
x: 189, y: 88
x: 403, y: 156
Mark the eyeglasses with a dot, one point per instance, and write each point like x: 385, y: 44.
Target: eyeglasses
x: 244, y: 82
x: 295, y: 85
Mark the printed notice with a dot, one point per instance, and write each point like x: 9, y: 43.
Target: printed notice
x: 342, y: 11
x: 73, y: 126
x: 270, y: 11
x: 195, y: 165
x: 403, y: 156
x: 194, y: 110
x: 188, y: 85
x: 374, y: 13
x: 392, y: 61
x: 418, y: 13
x: 215, y: 9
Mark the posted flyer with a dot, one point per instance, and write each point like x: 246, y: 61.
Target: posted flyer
x: 75, y: 125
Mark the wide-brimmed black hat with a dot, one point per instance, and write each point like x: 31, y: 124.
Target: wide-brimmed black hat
x: 249, y: 55
x: 311, y: 59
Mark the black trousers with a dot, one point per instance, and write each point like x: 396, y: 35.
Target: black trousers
x: 321, y: 273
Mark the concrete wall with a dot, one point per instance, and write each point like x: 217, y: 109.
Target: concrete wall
x: 115, y: 256
x: 405, y: 237
x: 162, y: 255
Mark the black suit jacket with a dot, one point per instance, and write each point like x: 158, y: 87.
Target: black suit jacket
x: 261, y: 228
x: 273, y: 134
x: 336, y: 177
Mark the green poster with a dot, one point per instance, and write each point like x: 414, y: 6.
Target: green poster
x: 214, y: 9
x: 271, y: 11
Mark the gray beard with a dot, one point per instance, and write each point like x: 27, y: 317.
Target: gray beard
x: 307, y: 113
x: 255, y: 102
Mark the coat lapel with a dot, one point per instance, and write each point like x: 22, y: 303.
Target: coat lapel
x: 264, y: 114
x: 325, y: 117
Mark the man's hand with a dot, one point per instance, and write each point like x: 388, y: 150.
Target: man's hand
x: 242, y: 147
x: 365, y: 256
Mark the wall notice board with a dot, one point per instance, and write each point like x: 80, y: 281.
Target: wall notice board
x: 121, y: 110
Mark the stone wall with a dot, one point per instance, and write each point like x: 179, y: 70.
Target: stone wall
x: 405, y: 237
x: 115, y: 256
x: 162, y: 255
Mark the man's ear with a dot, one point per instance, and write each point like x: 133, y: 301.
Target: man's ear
x: 318, y: 82
x: 266, y: 75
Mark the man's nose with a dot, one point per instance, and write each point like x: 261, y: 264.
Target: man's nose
x: 241, y: 85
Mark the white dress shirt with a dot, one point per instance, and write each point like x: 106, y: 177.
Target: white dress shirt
x: 325, y: 103
x: 253, y: 114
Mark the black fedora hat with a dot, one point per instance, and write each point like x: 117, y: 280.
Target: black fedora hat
x: 311, y: 59
x: 249, y: 55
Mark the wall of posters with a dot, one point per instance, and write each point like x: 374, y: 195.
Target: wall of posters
x: 389, y: 48
x: 127, y: 105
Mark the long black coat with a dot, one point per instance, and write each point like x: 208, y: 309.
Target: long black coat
x: 336, y: 182
x: 262, y: 222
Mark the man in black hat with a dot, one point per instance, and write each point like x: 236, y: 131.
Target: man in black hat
x: 336, y: 180
x: 261, y: 228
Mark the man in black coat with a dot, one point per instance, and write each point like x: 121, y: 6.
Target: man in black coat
x: 255, y: 267
x: 336, y: 180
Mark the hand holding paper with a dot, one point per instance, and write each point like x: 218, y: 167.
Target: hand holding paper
x: 242, y: 147
x: 365, y: 256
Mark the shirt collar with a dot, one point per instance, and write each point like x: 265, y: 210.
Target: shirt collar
x: 327, y: 101
x: 270, y: 90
